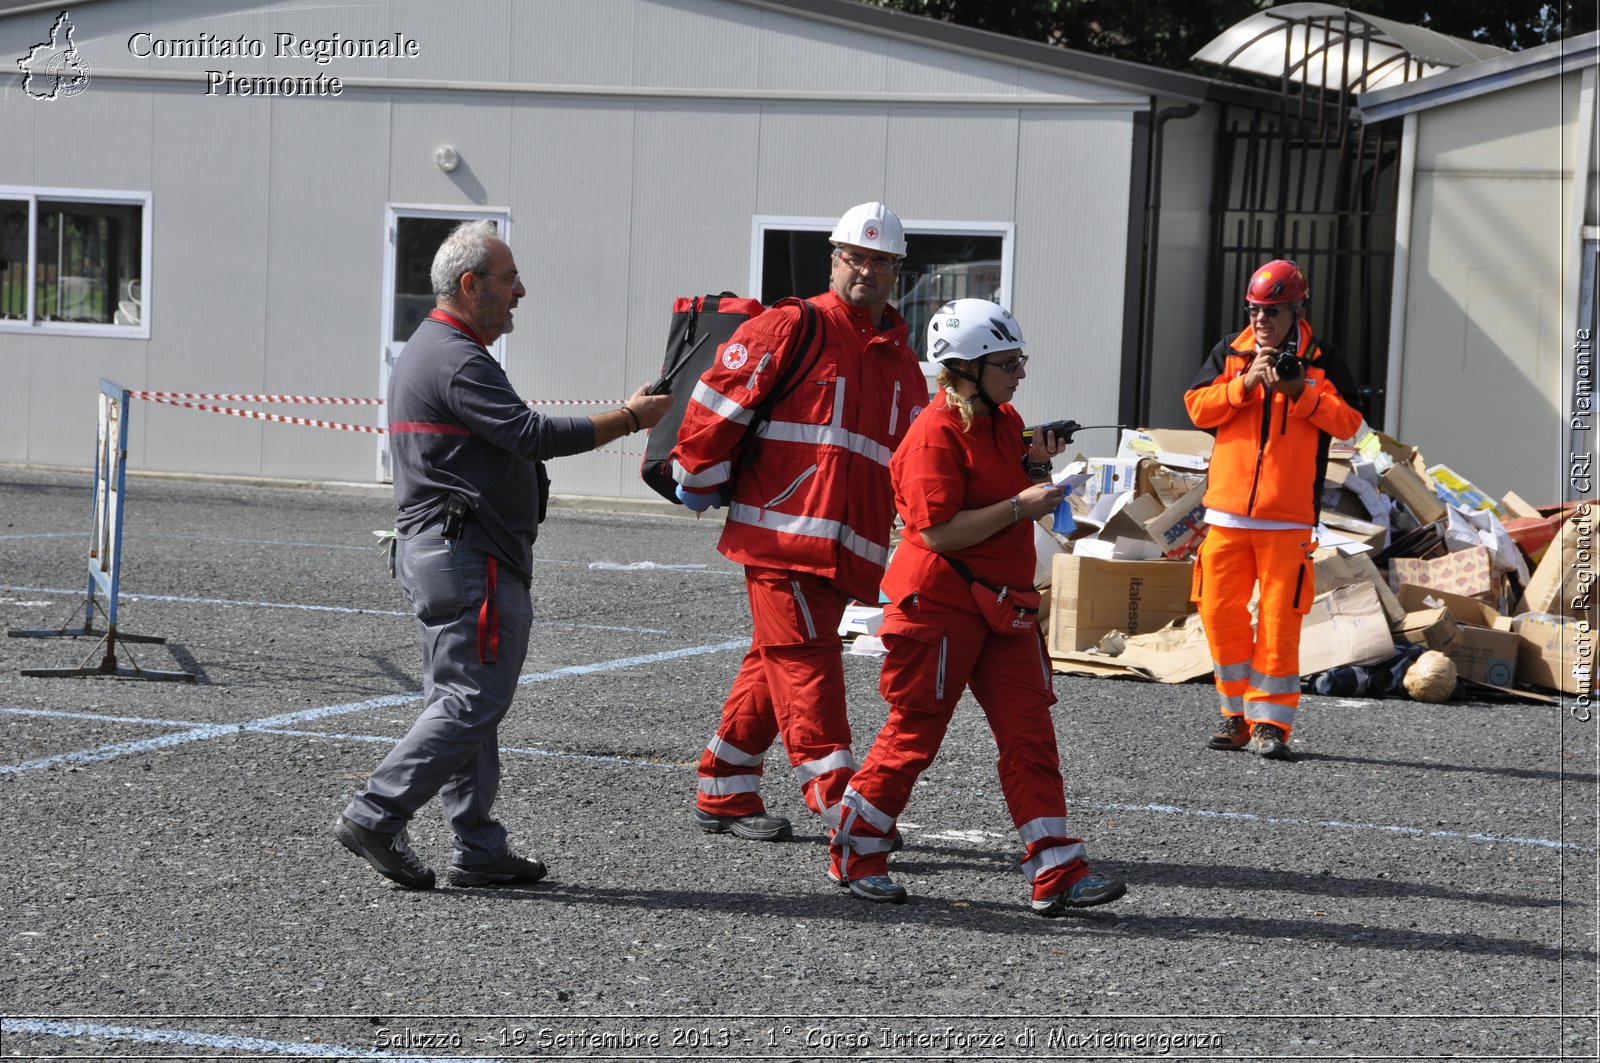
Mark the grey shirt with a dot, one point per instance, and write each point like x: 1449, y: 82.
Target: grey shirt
x: 456, y: 426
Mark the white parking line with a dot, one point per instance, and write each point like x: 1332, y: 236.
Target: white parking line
x: 201, y: 732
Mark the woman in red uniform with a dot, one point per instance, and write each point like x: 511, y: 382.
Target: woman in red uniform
x: 968, y: 489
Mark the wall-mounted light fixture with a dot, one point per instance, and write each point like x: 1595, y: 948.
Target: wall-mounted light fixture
x: 446, y: 158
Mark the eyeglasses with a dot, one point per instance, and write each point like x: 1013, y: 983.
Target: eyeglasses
x: 1268, y: 312
x: 1010, y: 365
x: 858, y: 262
x: 510, y: 276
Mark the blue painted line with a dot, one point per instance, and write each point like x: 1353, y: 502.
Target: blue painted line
x: 310, y: 608
x: 204, y: 731
x: 195, y: 1038
x: 1285, y: 821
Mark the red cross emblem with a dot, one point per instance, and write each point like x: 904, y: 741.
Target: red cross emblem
x: 872, y: 232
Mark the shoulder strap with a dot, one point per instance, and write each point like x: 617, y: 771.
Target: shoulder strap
x: 803, y: 349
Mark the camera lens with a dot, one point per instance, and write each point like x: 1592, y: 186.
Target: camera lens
x: 1288, y: 366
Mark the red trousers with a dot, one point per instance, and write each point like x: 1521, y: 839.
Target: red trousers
x: 790, y: 683
x: 1258, y: 672
x: 933, y: 657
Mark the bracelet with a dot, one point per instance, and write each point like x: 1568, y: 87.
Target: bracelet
x: 1016, y: 510
x: 632, y: 417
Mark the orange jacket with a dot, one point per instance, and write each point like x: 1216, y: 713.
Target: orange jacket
x: 817, y: 498
x: 1271, y: 455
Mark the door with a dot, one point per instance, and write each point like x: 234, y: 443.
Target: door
x: 413, y: 235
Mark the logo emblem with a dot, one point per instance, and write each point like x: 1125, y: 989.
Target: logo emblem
x: 734, y: 356
x: 916, y: 411
x: 871, y: 232
x: 54, y: 69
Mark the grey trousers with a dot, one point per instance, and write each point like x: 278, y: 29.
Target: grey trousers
x: 453, y: 749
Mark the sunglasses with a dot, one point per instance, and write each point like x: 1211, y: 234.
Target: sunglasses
x: 1010, y: 365
x: 1268, y: 312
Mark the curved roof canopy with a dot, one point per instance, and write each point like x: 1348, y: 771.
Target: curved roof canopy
x: 1331, y: 47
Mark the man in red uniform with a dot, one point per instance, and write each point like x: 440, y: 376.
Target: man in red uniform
x: 809, y: 521
x: 1274, y: 397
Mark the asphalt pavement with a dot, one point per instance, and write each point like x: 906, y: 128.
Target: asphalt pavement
x: 1421, y: 883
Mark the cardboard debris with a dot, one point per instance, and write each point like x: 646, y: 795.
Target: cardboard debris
x: 1470, y: 573
x: 1412, y: 489
x: 1563, y: 584
x: 1333, y: 570
x: 1556, y: 652
x: 1457, y: 490
x: 1176, y: 447
x: 1174, y: 653
x: 1091, y: 597
x: 1344, y: 626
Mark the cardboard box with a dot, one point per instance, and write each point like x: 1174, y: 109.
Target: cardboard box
x: 1458, y: 491
x: 1179, y: 528
x: 1175, y: 653
x: 1182, y: 448
x: 1344, y: 626
x: 1410, y: 488
x: 1090, y: 597
x: 1470, y: 573
x: 1465, y: 610
x: 1333, y: 570
x: 1373, y: 536
x: 1487, y: 656
x: 1556, y: 654
x: 1108, y: 476
x: 1564, y: 582
x: 1433, y: 628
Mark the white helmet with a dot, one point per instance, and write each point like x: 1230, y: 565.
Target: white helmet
x: 966, y: 329
x: 871, y: 225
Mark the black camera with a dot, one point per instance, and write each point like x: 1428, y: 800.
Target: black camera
x: 1286, y: 363
x: 1288, y: 366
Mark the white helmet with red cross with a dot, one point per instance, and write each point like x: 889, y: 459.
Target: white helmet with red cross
x: 871, y: 225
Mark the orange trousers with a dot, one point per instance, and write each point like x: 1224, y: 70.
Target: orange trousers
x: 1257, y: 671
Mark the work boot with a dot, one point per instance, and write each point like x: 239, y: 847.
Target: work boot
x: 756, y: 827
x: 509, y: 870
x: 878, y: 888
x: 389, y: 854
x: 1088, y: 891
x: 1269, y: 742
x: 1233, y: 734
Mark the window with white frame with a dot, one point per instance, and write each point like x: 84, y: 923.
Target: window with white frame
x: 74, y: 261
x: 944, y: 261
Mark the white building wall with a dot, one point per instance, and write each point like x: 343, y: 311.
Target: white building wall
x: 1484, y: 347
x: 632, y: 142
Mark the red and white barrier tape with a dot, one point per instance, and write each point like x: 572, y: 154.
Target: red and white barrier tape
x: 177, y: 398
x: 304, y: 400
x: 259, y: 416
x: 323, y: 400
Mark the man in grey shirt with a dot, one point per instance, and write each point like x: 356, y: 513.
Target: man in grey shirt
x: 470, y: 488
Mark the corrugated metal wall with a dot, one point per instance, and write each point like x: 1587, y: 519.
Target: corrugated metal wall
x: 1484, y: 350
x: 632, y: 141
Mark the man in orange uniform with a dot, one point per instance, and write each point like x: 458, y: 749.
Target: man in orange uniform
x: 809, y: 521
x: 1274, y: 397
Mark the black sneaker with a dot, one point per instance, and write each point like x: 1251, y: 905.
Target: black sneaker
x: 509, y: 870
x: 1268, y: 743
x: 390, y: 854
x: 1088, y: 891
x: 756, y: 827
x: 879, y: 888
x: 1233, y: 734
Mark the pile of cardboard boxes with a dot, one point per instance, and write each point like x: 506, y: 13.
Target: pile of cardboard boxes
x: 1409, y: 553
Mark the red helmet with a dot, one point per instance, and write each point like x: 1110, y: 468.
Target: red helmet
x: 1279, y: 281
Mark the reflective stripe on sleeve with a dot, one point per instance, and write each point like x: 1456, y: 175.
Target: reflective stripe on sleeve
x: 720, y: 404
x: 707, y: 477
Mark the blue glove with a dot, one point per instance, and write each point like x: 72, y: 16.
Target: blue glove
x: 700, y: 501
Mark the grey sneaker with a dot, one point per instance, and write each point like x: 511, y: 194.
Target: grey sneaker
x: 1233, y: 734
x: 879, y: 888
x: 509, y: 870
x: 389, y: 854
x: 1088, y: 891
x: 1268, y: 742
x: 756, y: 827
